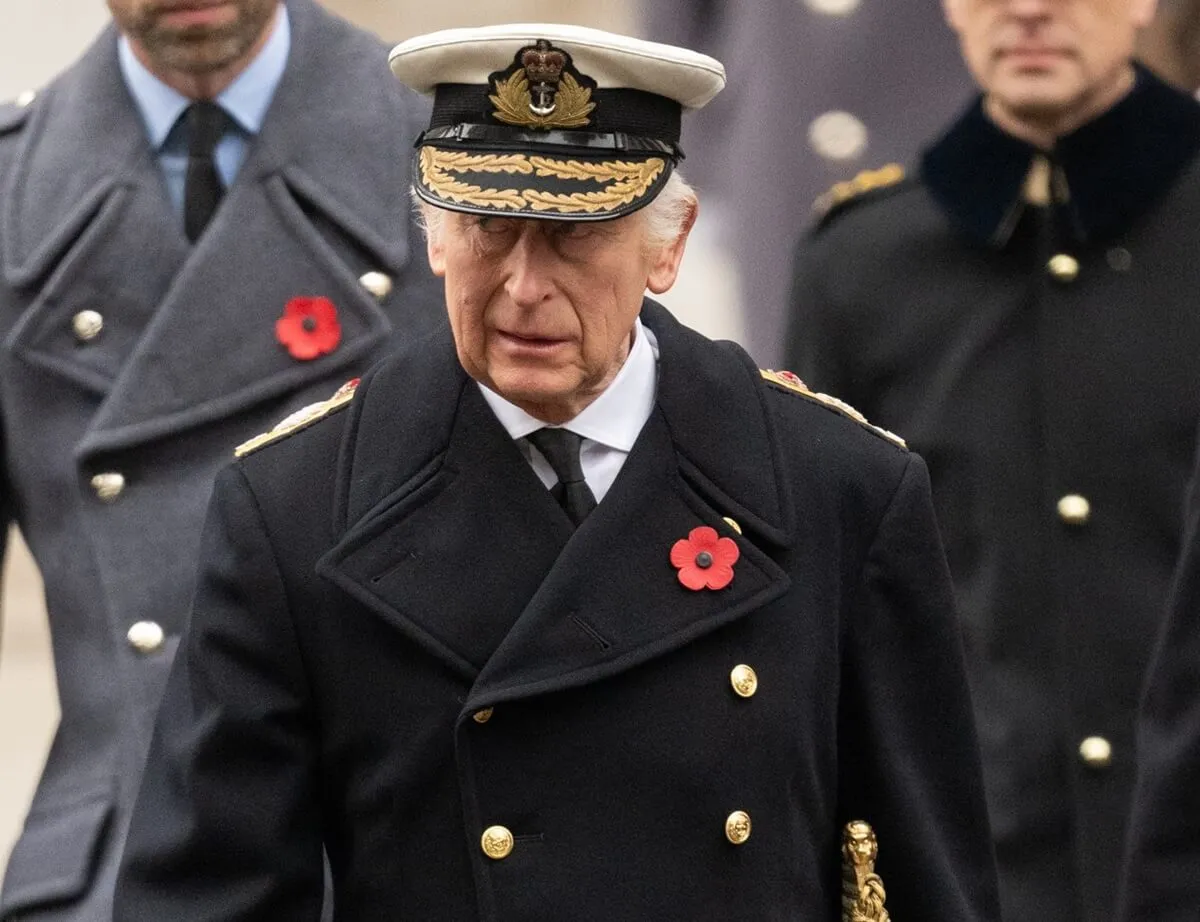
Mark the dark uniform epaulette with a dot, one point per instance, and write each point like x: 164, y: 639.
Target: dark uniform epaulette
x: 301, y: 419
x: 13, y: 113
x: 858, y: 189
x: 786, y: 380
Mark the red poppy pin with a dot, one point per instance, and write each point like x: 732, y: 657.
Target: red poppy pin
x: 704, y: 559
x: 309, y: 328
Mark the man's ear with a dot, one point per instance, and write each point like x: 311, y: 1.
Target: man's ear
x: 1144, y: 12
x: 952, y: 10
x: 665, y: 267
x: 435, y: 249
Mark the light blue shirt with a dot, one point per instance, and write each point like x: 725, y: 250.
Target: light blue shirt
x: 246, y: 100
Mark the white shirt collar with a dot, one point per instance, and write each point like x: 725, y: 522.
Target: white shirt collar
x: 616, y: 417
x: 246, y: 99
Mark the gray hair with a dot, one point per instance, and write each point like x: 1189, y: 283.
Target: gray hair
x: 665, y: 217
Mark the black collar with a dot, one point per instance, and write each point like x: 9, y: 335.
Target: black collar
x: 1116, y: 167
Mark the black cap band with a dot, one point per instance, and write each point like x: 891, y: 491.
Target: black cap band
x: 498, y: 137
x: 631, y: 112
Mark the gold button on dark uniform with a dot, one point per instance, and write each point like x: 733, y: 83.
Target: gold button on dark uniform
x: 108, y: 486
x: 1074, y: 509
x: 87, y: 325
x: 482, y: 717
x: 497, y: 842
x: 744, y: 681
x: 1096, y: 752
x: 1064, y: 268
x: 737, y: 827
x: 146, y: 637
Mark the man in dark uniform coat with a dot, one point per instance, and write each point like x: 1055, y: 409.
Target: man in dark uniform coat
x: 133, y: 359
x: 493, y: 700
x: 1023, y: 310
x: 818, y: 91
x: 1161, y: 873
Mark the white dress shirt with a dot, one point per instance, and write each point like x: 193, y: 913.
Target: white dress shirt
x: 609, y: 425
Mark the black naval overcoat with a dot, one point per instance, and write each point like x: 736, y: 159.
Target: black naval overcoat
x: 1161, y: 874
x: 1045, y: 361
x: 398, y: 643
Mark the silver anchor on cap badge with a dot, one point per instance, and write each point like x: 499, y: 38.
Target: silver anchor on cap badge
x: 543, y: 66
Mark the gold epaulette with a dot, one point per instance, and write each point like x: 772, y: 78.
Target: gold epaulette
x: 790, y: 382
x: 301, y: 419
x: 863, y: 895
x: 866, y: 181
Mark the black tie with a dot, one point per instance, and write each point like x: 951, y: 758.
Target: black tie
x: 206, y: 124
x: 560, y: 448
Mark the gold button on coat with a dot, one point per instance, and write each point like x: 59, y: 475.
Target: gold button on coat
x: 482, y: 717
x: 737, y: 827
x: 146, y: 637
x: 1096, y: 752
x: 1074, y: 509
x: 497, y: 842
x: 744, y: 681
x: 87, y: 325
x: 1064, y: 268
x: 108, y: 486
x: 377, y: 283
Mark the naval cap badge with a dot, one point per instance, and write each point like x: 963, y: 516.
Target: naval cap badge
x: 540, y: 91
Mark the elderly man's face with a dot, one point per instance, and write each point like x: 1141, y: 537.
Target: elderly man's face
x: 193, y: 37
x: 1049, y: 61
x: 542, y: 311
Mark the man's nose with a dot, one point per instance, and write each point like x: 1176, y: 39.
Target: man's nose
x: 528, y: 264
x: 1030, y: 9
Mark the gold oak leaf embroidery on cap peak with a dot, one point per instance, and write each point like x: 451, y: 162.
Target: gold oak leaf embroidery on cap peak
x: 628, y: 180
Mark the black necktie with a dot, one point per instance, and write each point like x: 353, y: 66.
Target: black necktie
x: 560, y: 448
x: 206, y: 123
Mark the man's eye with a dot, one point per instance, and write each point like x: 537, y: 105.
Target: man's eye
x: 493, y: 225
x: 572, y: 230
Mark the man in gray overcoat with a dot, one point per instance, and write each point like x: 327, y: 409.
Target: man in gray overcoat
x: 173, y: 278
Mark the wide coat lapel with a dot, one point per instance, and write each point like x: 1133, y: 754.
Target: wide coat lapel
x: 456, y: 542
x: 449, y: 538
x: 86, y: 223
x: 202, y: 342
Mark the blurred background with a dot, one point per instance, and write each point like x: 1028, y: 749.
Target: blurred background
x: 819, y: 90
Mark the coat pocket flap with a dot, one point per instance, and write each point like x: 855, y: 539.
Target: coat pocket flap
x: 55, y: 857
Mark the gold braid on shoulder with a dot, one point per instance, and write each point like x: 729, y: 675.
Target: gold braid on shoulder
x: 863, y: 895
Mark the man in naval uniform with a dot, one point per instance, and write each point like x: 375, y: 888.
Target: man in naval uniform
x: 1022, y: 309
x: 567, y: 612
x: 1161, y: 870
x: 202, y: 228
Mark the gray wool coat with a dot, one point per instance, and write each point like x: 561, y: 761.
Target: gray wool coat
x: 185, y: 366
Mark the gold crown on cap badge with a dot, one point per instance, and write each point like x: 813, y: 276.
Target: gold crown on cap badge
x: 541, y: 93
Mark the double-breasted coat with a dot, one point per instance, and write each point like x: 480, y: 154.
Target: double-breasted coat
x: 400, y: 648
x: 1161, y: 871
x: 131, y: 365
x: 1045, y: 360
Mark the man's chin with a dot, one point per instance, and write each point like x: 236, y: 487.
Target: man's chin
x: 1038, y: 98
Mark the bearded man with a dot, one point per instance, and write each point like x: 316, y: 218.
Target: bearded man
x: 202, y: 226
x: 1021, y: 307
